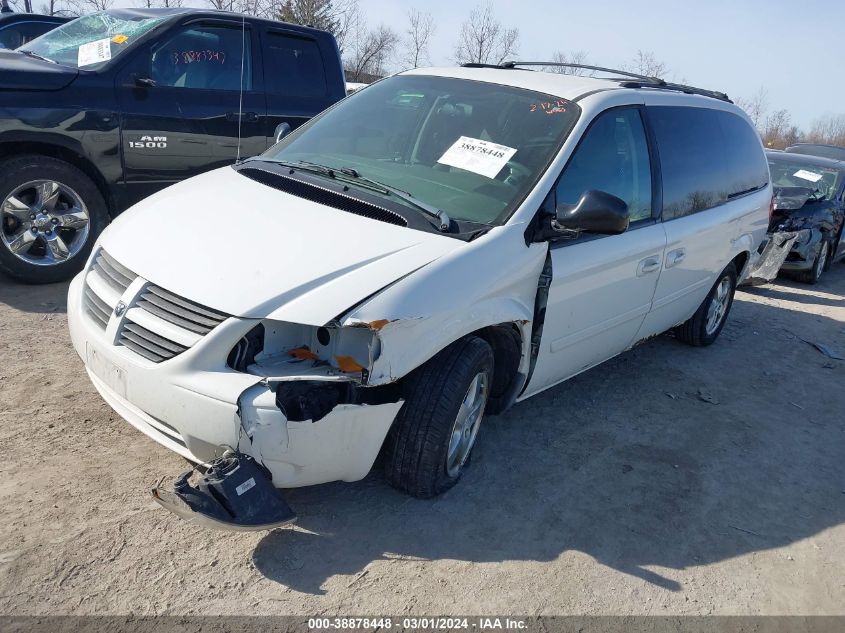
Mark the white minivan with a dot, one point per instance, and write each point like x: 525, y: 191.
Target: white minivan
x: 437, y: 246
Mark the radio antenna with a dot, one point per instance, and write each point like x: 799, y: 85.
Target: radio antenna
x: 241, y: 92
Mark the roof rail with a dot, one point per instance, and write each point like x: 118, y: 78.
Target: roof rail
x: 625, y: 77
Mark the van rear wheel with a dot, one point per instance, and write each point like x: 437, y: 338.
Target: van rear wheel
x: 704, y: 327
x: 50, y: 216
x: 431, y: 439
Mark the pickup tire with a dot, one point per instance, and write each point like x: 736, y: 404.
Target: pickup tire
x: 50, y: 216
x: 704, y: 327
x: 430, y: 441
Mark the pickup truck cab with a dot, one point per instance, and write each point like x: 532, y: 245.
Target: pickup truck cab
x: 434, y: 248
x: 105, y: 110
x: 16, y: 29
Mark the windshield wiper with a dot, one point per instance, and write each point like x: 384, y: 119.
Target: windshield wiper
x: 29, y: 53
x: 348, y: 174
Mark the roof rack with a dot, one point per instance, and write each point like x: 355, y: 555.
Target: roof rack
x: 626, y: 79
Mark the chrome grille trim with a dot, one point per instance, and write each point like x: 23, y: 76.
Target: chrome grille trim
x: 178, y: 311
x: 117, y: 276
x: 171, y: 324
x: 148, y: 344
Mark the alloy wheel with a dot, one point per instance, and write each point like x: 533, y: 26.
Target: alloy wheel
x: 44, y: 222
x: 718, y: 307
x: 465, y: 428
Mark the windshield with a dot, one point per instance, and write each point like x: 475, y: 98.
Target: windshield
x: 93, y: 39
x: 787, y: 173
x: 470, y: 149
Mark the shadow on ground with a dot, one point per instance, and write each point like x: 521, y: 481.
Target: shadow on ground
x: 44, y: 298
x: 626, y: 463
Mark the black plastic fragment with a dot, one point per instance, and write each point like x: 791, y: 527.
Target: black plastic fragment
x: 235, y: 493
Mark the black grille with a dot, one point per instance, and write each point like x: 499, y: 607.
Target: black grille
x: 323, y: 196
x: 148, y: 344
x: 179, y: 311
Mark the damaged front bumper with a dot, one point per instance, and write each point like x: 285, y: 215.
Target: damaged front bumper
x: 772, y: 256
x: 197, y: 406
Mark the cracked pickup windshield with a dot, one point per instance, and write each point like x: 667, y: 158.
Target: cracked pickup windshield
x: 92, y: 39
x: 470, y: 149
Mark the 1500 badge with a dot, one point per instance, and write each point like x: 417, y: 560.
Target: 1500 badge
x: 149, y: 142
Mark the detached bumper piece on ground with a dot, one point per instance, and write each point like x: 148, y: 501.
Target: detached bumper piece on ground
x: 236, y: 493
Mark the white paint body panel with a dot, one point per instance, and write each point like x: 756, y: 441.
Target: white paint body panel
x: 232, y: 244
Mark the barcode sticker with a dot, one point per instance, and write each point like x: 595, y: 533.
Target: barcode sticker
x: 807, y: 175
x: 478, y: 156
x: 249, y: 483
x: 94, y: 52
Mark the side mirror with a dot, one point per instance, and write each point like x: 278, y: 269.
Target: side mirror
x: 595, y: 212
x: 282, y: 130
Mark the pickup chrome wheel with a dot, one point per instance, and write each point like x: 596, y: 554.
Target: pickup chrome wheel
x: 428, y: 447
x: 704, y: 327
x: 51, y: 213
x: 44, y: 222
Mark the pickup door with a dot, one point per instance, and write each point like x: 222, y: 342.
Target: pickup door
x: 183, y: 112
x: 297, y: 77
x: 602, y: 286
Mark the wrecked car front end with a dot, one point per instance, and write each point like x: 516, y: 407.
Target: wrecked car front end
x: 800, y: 223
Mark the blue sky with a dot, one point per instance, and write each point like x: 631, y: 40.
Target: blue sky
x: 793, y: 48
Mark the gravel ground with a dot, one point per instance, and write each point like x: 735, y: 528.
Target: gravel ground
x: 670, y: 480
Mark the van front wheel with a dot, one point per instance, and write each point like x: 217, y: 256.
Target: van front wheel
x: 706, y: 324
x: 431, y: 439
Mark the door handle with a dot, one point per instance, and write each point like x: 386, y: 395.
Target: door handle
x: 648, y: 265
x: 675, y: 257
x: 246, y: 117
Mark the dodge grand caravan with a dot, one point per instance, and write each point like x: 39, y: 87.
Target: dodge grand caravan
x: 434, y: 248
x: 113, y: 106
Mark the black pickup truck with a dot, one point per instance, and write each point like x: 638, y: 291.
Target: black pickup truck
x: 113, y: 106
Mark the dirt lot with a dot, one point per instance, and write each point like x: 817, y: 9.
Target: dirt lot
x: 670, y: 480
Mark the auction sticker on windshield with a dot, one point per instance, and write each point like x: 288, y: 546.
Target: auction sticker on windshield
x: 477, y: 156
x: 94, y: 52
x: 807, y: 175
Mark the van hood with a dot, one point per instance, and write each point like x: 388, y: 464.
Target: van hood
x: 240, y: 247
x: 22, y: 72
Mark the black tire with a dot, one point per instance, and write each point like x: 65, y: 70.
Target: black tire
x: 417, y: 445
x: 695, y: 331
x: 18, y: 171
x: 813, y: 275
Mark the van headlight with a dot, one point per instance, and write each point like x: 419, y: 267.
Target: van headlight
x: 279, y: 348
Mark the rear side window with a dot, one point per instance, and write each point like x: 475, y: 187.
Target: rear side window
x: 293, y: 66
x: 19, y: 34
x: 747, y: 167
x: 692, y: 159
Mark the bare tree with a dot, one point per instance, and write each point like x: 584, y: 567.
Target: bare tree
x: 778, y: 131
x: 57, y: 7
x: 87, y: 6
x: 645, y: 63
x: 155, y: 4
x: 417, y: 37
x: 484, y: 40
x: 756, y: 107
x: 829, y: 129
x: 338, y: 17
x: 368, y: 52
x: 574, y: 57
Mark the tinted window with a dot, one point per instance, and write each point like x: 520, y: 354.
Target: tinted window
x: 203, y: 57
x: 19, y: 34
x: 747, y: 169
x: 692, y: 159
x: 612, y: 157
x: 293, y: 66
x: 472, y: 149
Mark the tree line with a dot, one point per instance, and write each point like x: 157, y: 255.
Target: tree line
x: 370, y: 51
